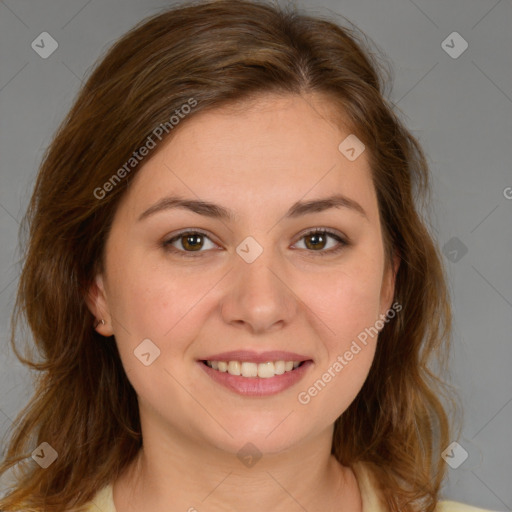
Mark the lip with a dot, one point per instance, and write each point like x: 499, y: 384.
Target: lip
x: 256, y: 357
x: 255, y: 386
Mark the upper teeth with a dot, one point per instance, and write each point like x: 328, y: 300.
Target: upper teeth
x: 247, y: 369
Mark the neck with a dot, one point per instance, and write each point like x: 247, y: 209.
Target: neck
x: 174, y: 471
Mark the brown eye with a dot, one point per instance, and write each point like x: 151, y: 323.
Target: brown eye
x: 191, y: 242
x: 318, y: 240
x: 188, y: 242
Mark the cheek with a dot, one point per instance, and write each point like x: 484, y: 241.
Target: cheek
x: 349, y: 311
x: 145, y: 306
x: 169, y: 306
x: 334, y: 388
x: 153, y: 300
x: 347, y: 299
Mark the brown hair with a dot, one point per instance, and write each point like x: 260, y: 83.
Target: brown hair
x: 216, y: 53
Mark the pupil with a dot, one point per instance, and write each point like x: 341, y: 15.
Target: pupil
x: 317, y: 238
x: 193, y: 241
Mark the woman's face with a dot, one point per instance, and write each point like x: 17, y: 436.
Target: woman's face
x: 259, y: 285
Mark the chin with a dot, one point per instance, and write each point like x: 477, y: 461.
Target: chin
x: 267, y: 437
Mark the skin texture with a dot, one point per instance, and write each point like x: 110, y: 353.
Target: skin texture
x: 257, y: 161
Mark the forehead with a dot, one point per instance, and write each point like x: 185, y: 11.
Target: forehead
x: 267, y: 150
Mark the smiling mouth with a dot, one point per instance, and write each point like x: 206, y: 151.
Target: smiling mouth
x: 252, y: 370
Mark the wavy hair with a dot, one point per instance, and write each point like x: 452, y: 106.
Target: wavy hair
x: 218, y: 52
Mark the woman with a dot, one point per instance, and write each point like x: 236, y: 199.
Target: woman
x: 235, y: 298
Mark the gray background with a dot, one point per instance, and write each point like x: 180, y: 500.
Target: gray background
x: 460, y: 109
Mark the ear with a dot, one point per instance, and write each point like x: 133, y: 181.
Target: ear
x: 97, y: 303
x: 388, y: 284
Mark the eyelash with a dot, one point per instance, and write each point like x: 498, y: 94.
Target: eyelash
x: 342, y: 243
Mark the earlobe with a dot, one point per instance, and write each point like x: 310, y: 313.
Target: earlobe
x: 388, y: 290
x: 96, y: 301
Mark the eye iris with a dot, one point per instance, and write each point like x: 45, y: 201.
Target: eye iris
x: 317, y: 238
x: 192, y: 242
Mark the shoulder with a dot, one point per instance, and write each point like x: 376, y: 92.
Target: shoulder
x: 453, y: 506
x: 373, y: 502
x: 103, y: 500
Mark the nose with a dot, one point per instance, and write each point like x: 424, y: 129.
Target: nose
x: 259, y: 297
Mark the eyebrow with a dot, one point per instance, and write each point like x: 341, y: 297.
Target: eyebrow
x: 219, y: 212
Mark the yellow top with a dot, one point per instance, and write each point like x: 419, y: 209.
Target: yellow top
x: 104, y: 502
